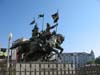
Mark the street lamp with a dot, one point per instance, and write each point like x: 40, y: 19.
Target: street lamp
x: 9, y: 42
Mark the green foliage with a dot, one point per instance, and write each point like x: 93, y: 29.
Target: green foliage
x: 97, y: 60
x: 91, y: 62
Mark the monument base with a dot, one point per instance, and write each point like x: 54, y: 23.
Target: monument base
x: 44, y: 68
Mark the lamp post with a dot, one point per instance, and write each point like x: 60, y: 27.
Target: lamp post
x: 9, y: 42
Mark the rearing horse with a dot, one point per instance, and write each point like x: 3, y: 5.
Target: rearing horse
x: 44, y: 51
x: 36, y: 50
x: 54, y: 45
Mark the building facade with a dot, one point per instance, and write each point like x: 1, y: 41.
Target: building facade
x: 80, y: 58
x: 90, y: 69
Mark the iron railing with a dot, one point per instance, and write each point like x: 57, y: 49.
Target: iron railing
x: 49, y: 68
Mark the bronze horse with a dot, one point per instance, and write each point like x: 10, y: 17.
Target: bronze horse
x: 37, y: 50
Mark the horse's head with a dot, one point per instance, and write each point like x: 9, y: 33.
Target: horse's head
x: 59, y: 38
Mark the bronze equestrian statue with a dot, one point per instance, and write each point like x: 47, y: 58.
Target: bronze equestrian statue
x: 41, y: 46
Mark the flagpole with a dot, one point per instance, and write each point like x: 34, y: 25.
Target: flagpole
x: 42, y: 17
x: 56, y: 27
x: 57, y: 21
x: 55, y: 17
x: 42, y: 23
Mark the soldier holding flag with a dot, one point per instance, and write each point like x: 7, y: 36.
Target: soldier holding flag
x: 48, y: 28
x: 35, y: 31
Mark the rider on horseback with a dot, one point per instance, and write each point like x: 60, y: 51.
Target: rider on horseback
x: 35, y: 33
x: 48, y: 33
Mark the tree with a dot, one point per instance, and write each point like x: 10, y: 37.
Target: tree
x: 91, y: 62
x: 97, y: 60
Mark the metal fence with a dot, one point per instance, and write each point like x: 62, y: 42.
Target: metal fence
x: 49, y: 68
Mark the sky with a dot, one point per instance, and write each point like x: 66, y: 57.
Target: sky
x: 79, y: 21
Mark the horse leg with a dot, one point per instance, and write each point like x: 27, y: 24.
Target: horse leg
x: 60, y: 48
x: 54, y: 50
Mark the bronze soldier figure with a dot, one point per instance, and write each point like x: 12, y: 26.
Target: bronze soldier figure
x: 35, y: 33
x: 48, y: 28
